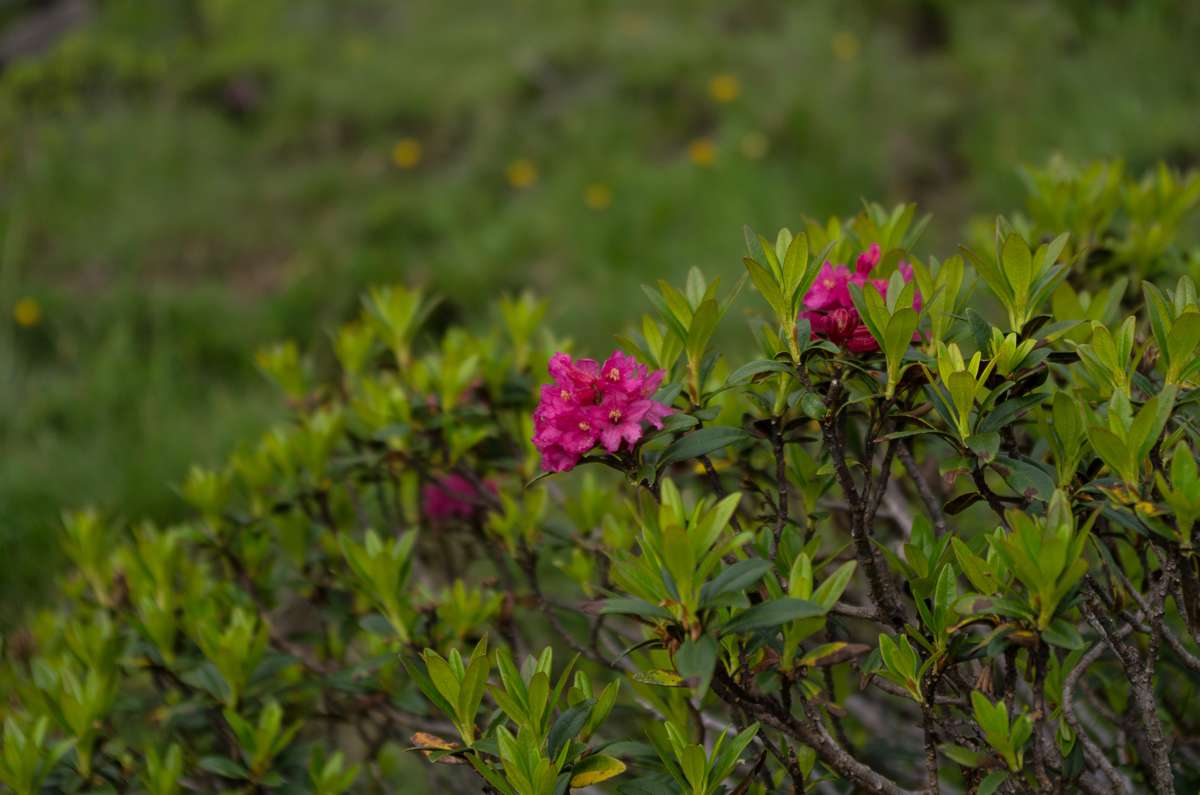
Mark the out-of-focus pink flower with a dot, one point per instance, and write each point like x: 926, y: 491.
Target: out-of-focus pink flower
x: 590, y: 404
x: 451, y: 497
x: 830, y: 311
x: 830, y: 290
x: 867, y: 260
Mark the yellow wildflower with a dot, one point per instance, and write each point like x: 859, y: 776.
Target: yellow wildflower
x: 521, y: 173
x: 406, y: 153
x: 597, y: 196
x: 27, y: 312
x: 702, y: 151
x: 846, y: 45
x: 724, y: 87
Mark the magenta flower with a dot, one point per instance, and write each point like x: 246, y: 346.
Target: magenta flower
x: 830, y: 311
x: 867, y: 260
x: 451, y: 497
x: 830, y: 290
x: 590, y: 404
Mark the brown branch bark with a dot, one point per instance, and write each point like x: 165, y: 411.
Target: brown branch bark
x: 1093, y: 751
x: 932, y: 504
x: 808, y: 730
x: 1141, y: 685
x: 882, y: 589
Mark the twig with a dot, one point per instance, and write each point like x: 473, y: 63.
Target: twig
x: 927, y: 728
x: 881, y: 587
x: 923, y: 489
x: 1141, y: 686
x: 809, y: 731
x: 1095, y: 754
x: 781, y: 482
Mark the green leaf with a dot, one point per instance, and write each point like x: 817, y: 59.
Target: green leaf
x: 444, y: 680
x: 493, y: 777
x: 224, y: 766
x: 676, y: 303
x: 813, y: 406
x: 206, y: 677
x: 734, y: 578
x: 992, y: 718
x: 772, y: 255
x: 975, y: 568
x: 897, y: 340
x: 963, y: 756
x: 795, y: 265
x: 704, y: 323
x: 757, y: 367
x: 673, y: 323
x: 377, y: 625
x: 1017, y: 262
x: 962, y: 386
x: 701, y: 442
x: 772, y: 614
x: 992, y: 276
x: 1113, y: 452
x: 984, y: 445
x: 631, y: 606
x: 471, y: 695
x: 1160, y: 314
x: 677, y: 555
x: 696, y: 659
x: 1063, y: 634
x: 832, y: 588
x: 568, y: 724
x: 872, y: 311
x: 992, y: 782
x: 766, y: 284
x: 946, y: 590
x: 1149, y: 423
x: 1007, y: 412
x: 417, y: 673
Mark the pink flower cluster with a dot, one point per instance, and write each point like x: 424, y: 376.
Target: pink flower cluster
x: 830, y: 311
x: 590, y: 404
x: 451, y: 497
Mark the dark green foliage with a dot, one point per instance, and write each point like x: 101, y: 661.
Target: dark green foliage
x: 977, y: 539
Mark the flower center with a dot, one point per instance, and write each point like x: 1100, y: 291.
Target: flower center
x: 614, y: 374
x: 583, y: 426
x: 565, y: 394
x: 615, y: 415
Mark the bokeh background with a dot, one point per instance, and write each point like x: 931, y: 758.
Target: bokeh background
x: 183, y: 181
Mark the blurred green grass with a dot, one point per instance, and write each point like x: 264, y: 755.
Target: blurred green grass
x: 185, y: 180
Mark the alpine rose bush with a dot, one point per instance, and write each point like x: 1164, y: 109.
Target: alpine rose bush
x: 922, y: 525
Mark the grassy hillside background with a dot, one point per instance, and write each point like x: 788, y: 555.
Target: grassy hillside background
x: 182, y: 181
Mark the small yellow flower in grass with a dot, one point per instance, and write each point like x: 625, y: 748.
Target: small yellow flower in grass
x: 702, y: 151
x: 724, y: 87
x: 406, y: 153
x: 754, y: 145
x: 521, y: 173
x: 27, y: 312
x: 597, y: 196
x: 846, y: 45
